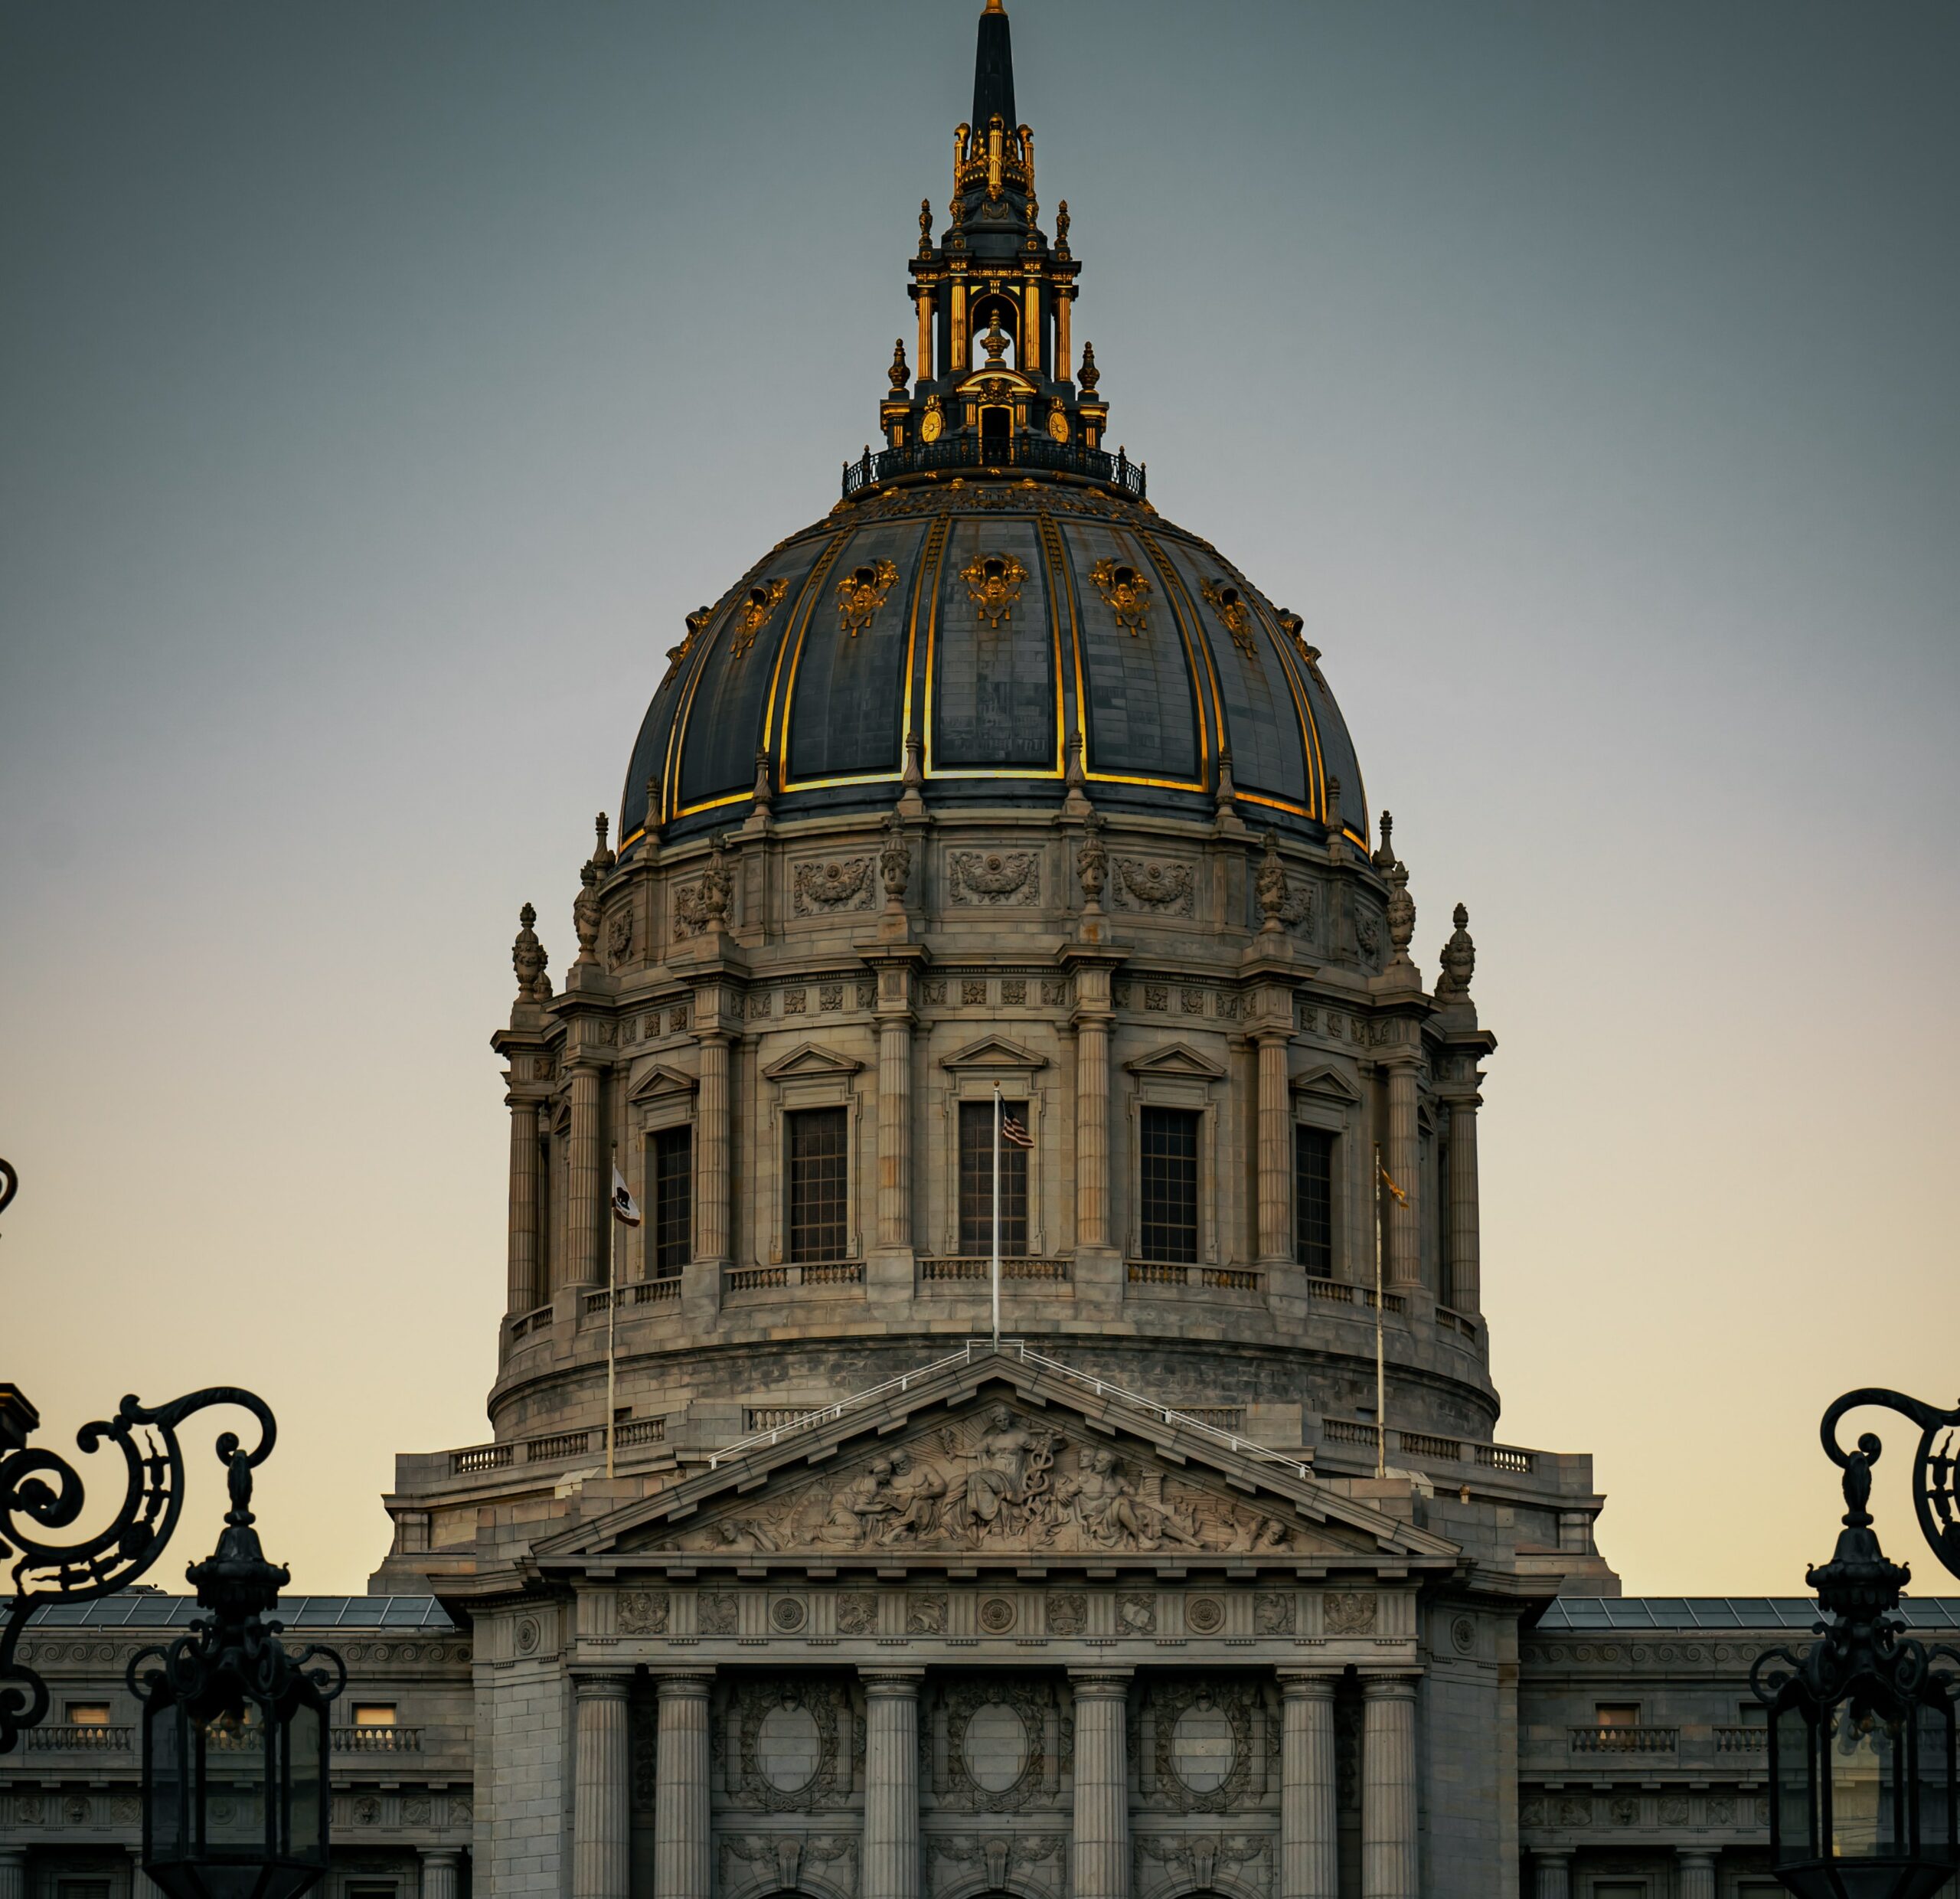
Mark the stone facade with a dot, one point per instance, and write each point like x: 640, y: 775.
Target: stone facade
x: 779, y: 1574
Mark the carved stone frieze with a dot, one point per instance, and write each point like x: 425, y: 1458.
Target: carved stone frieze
x: 993, y: 876
x: 1000, y: 1746
x: 1022, y: 1862
x: 775, y: 1862
x: 1184, y: 1862
x: 993, y: 1479
x: 1349, y: 1612
x: 819, y: 889
x: 642, y: 1612
x: 1154, y: 887
x: 1202, y: 1745
x: 790, y: 1749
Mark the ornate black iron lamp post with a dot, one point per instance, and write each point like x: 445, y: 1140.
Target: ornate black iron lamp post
x: 235, y: 1799
x: 1863, y: 1800
x: 235, y: 1735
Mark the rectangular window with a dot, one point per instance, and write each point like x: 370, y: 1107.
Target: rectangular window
x: 976, y: 1182
x: 1313, y: 1200
x: 819, y: 1185
x: 671, y: 1218
x: 1168, y: 1228
x: 88, y: 1714
x: 373, y: 1713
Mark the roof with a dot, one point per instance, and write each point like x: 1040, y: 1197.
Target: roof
x: 995, y: 622
x: 152, y: 1609
x: 1572, y: 1614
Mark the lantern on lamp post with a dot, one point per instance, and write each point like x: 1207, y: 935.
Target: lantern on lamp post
x: 1861, y: 1727
x: 236, y: 1798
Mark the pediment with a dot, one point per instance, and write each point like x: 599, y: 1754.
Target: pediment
x: 990, y: 1456
x: 993, y: 1051
x: 1009, y: 379
x: 660, y: 1081
x: 1329, y: 1081
x: 810, y: 1059
x: 1180, y: 1058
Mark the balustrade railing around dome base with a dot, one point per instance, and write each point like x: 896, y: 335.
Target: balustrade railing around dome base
x: 966, y: 451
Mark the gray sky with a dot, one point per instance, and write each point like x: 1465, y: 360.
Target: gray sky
x: 381, y: 384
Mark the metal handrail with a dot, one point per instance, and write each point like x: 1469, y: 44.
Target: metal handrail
x: 1018, y: 1349
x: 1017, y: 451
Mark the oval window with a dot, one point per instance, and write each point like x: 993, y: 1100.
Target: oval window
x: 1201, y: 1748
x: 996, y: 1747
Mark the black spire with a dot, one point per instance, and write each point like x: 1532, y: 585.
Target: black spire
x: 993, y: 73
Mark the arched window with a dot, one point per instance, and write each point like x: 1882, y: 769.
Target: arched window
x: 996, y: 431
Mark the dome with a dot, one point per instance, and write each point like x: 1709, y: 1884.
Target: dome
x: 996, y: 625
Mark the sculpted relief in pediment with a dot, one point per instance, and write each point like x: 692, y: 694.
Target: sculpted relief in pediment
x: 997, y: 1480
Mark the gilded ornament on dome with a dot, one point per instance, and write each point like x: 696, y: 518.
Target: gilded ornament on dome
x: 753, y: 614
x: 932, y: 424
x: 1125, y: 591
x: 1229, y: 604
x: 993, y: 584
x: 1058, y: 420
x: 861, y: 592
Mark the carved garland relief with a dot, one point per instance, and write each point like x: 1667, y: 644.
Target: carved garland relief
x: 993, y: 876
x: 817, y: 889
x: 1151, y: 886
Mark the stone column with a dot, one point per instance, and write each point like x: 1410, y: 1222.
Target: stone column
x: 1062, y: 300
x: 1308, y: 1857
x: 1100, y: 1850
x: 1275, y: 1242
x: 1402, y: 1158
x: 14, y: 1871
x: 895, y: 1130
x: 603, y: 1766
x: 711, y: 1236
x: 442, y: 1873
x: 891, y: 1863
x: 522, y: 1292
x: 1028, y: 359
x: 924, y: 370
x: 1092, y: 1132
x: 1697, y: 1876
x: 585, y: 1217
x: 682, y: 1856
x: 1465, y: 1282
x: 1551, y: 1875
x: 1388, y: 1788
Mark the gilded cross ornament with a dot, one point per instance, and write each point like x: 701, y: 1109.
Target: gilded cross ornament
x: 861, y: 592
x: 994, y: 583
x: 1125, y: 591
x: 753, y: 614
x: 1229, y: 604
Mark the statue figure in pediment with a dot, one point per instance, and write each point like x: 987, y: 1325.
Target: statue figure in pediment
x: 858, y: 1511
x: 996, y: 1486
x: 918, y: 1489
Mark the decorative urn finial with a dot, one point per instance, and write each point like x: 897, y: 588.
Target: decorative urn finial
x: 1401, y: 913
x: 898, y: 374
x: 1384, y: 859
x: 1458, y: 959
x: 1088, y: 376
x: 528, y: 959
x: 585, y: 912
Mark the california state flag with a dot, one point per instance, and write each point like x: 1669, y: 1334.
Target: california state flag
x: 626, y: 1209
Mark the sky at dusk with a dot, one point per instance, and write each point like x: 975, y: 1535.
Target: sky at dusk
x: 381, y: 384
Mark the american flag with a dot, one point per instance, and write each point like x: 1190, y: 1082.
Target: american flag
x: 1013, y: 1133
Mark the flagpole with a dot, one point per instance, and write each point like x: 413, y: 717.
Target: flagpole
x: 995, y: 1274
x: 1381, y: 1375
x: 611, y: 1316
